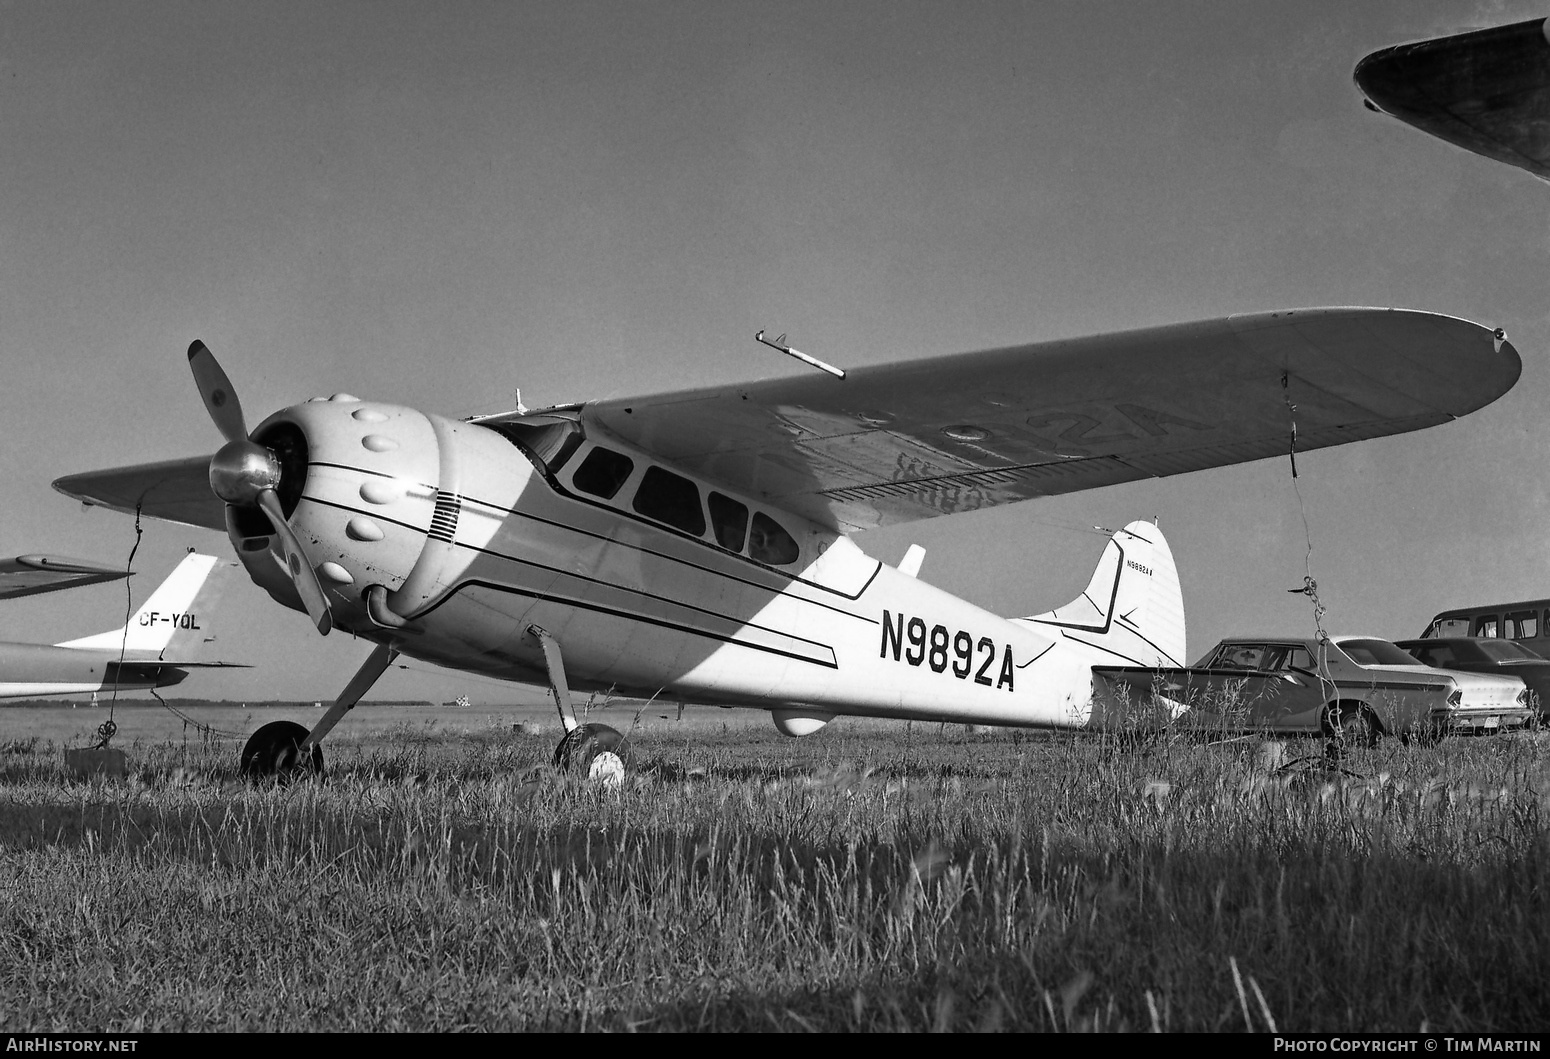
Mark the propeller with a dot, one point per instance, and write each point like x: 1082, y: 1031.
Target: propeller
x: 245, y: 474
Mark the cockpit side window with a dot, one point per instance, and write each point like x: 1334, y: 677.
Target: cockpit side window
x: 770, y: 543
x: 603, y: 472
x: 730, y: 521
x: 672, y: 499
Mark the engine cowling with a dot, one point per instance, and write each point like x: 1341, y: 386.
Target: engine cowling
x: 359, y: 487
x: 376, y: 495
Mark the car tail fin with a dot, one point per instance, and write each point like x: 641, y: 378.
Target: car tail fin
x: 1132, y: 608
x: 177, y: 615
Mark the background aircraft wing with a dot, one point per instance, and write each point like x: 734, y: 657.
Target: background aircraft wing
x: 1486, y: 91
x: 30, y: 575
x: 897, y: 442
x: 172, y: 490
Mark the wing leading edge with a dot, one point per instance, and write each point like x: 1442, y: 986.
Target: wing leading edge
x: 918, y: 439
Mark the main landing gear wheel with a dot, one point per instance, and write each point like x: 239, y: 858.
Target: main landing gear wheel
x: 597, y: 752
x: 274, y: 752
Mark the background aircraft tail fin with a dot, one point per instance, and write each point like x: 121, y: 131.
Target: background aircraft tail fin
x: 1132, y: 608
x: 178, y: 617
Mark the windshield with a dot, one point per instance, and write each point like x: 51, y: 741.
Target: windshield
x: 1376, y: 653
x: 548, y: 440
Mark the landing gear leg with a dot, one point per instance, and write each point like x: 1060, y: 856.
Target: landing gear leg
x: 593, y: 750
x: 284, y: 750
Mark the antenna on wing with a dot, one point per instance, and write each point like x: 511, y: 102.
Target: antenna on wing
x: 780, y: 344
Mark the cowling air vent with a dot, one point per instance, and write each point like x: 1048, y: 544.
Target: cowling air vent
x: 444, y: 518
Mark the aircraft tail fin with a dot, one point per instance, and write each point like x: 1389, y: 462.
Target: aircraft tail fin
x: 177, y: 618
x: 1132, y: 609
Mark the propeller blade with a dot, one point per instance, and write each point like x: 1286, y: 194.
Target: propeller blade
x: 302, y: 575
x: 216, y: 390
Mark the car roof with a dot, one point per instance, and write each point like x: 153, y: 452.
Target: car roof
x: 1426, y: 641
x: 1517, y: 604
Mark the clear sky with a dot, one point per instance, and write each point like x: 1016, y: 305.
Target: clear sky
x: 435, y: 204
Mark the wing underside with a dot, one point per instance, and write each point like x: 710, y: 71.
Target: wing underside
x: 904, y: 441
x: 171, y: 490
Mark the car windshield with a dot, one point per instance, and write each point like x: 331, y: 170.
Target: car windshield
x: 1259, y: 656
x: 1376, y: 653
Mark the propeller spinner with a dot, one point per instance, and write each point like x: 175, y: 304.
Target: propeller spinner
x: 246, y: 474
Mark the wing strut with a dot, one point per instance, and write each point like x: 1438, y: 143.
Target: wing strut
x: 557, y: 682
x: 375, y: 665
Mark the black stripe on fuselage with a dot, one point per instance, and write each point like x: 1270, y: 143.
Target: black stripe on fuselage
x: 653, y: 597
x: 647, y: 619
x: 1108, y: 615
x: 543, y: 474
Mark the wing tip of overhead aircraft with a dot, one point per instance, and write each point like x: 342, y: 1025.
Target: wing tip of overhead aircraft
x: 1376, y: 67
x: 1479, y: 90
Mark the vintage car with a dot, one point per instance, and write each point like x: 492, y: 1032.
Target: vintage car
x: 1471, y: 654
x: 1353, y: 688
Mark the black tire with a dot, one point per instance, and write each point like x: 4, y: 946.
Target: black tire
x: 596, y: 751
x: 274, y: 753
x: 1351, y: 726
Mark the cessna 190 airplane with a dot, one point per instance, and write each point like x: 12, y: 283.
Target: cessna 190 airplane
x: 164, y: 639
x: 695, y: 544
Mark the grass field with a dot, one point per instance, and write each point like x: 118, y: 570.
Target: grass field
x: 871, y: 877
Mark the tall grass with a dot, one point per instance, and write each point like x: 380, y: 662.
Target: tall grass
x: 917, y: 879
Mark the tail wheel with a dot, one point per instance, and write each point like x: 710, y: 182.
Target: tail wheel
x: 274, y: 753
x: 1351, y: 726
x: 597, y: 752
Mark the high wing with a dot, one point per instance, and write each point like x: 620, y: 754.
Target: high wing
x: 896, y: 442
x: 915, y: 439
x: 1487, y: 91
x: 31, y: 575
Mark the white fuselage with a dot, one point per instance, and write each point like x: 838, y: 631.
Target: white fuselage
x: 477, y: 543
